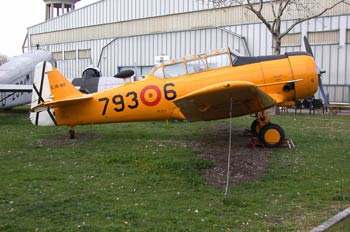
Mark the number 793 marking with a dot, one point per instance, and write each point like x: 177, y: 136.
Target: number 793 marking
x: 119, y: 102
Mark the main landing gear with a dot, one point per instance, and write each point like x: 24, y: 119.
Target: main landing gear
x: 270, y: 135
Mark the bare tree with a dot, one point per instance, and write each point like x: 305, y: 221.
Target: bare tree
x: 306, y: 9
x: 3, y: 59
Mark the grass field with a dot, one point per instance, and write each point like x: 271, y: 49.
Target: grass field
x: 135, y: 177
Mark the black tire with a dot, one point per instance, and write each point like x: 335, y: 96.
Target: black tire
x: 271, y: 135
x: 255, y: 127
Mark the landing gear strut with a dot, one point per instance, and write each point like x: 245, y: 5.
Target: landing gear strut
x: 270, y: 135
x: 71, y: 133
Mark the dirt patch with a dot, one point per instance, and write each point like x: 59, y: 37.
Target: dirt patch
x: 246, y: 163
x: 64, y: 139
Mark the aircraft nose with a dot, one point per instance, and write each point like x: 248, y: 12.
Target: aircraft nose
x: 304, y: 68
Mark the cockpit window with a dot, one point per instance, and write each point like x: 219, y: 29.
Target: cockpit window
x: 234, y: 58
x: 194, y: 66
x: 217, y: 61
x: 159, y: 72
x: 174, y: 70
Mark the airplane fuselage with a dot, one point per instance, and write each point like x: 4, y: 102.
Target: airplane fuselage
x: 19, y: 71
x: 12, y: 99
x: 286, y: 78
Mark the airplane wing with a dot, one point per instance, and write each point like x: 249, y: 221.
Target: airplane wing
x: 15, y: 88
x: 214, y: 102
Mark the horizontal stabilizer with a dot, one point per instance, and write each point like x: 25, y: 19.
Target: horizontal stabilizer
x: 15, y: 88
x: 60, y: 103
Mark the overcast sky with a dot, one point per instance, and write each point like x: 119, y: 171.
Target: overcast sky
x: 16, y: 16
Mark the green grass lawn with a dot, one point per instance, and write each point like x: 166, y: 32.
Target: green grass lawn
x: 134, y: 176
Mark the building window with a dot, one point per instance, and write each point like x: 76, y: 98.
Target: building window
x: 323, y: 37
x: 348, y: 36
x: 69, y: 55
x: 57, y: 55
x: 291, y: 40
x: 84, y: 54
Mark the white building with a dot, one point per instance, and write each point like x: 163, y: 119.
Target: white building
x: 120, y: 34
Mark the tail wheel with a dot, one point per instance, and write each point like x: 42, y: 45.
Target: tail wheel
x: 271, y: 135
x: 71, y: 133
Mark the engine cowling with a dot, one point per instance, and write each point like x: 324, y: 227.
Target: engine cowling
x: 304, y: 68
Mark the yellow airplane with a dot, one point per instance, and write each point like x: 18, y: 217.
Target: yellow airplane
x: 211, y: 86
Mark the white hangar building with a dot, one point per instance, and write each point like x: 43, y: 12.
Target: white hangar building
x: 123, y: 34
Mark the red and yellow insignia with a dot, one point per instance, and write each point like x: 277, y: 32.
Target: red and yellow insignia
x: 150, y: 95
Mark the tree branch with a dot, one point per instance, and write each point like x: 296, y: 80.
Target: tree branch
x: 261, y: 5
x: 283, y: 5
x: 258, y: 14
x: 283, y: 8
x: 273, y: 8
x: 311, y: 17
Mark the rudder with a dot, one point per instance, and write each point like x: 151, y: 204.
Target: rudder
x: 41, y: 93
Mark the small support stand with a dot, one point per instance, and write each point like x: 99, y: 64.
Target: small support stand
x: 288, y: 142
x: 253, y: 142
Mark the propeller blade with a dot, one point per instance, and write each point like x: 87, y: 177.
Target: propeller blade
x: 309, y: 50
x: 324, y: 92
x: 308, y: 47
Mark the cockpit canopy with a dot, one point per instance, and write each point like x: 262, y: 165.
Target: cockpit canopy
x: 198, y: 63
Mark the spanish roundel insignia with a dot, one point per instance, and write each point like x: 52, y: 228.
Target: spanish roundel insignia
x: 150, y: 95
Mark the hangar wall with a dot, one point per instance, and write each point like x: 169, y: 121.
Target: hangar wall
x: 120, y: 34
x: 112, y: 11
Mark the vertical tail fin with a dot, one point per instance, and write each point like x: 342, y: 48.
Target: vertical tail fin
x: 49, y: 85
x: 51, y: 90
x: 60, y: 87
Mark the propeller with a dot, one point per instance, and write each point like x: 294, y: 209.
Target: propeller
x: 324, y: 92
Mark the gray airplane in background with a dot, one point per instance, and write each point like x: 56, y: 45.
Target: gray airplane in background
x: 16, y: 78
